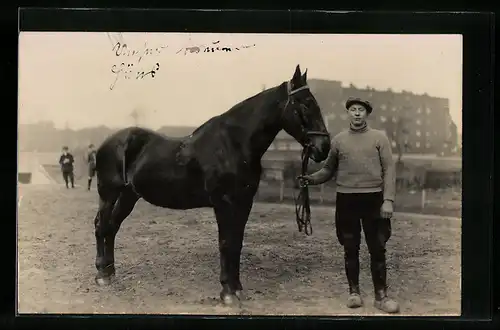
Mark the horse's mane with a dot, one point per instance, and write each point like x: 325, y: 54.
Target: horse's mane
x: 235, y: 109
x: 249, y: 101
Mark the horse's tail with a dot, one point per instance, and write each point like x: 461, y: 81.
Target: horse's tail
x: 117, y: 154
x: 124, y: 159
x: 131, y: 146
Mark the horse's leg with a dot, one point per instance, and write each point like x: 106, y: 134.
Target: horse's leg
x: 121, y: 209
x: 243, y: 211
x: 231, y: 222
x: 102, y: 224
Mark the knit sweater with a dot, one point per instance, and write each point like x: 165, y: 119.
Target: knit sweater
x: 361, y: 159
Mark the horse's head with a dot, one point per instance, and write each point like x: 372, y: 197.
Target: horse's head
x: 302, y: 117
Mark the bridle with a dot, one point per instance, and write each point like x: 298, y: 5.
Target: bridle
x: 291, y: 101
x: 302, y: 201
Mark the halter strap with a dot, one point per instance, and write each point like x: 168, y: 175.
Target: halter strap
x: 292, y: 92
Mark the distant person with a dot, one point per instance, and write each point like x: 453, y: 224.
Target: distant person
x: 66, y: 161
x: 361, y: 161
x: 91, y: 164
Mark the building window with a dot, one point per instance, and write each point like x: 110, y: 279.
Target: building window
x: 427, y: 110
x: 394, y: 119
x: 417, y: 144
x: 383, y: 107
x: 427, y: 133
x: 394, y: 109
x: 418, y: 133
x: 383, y: 119
x: 435, y: 133
x: 419, y: 122
x: 419, y: 110
x: 393, y: 143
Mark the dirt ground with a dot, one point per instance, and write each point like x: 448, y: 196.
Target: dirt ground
x: 167, y: 261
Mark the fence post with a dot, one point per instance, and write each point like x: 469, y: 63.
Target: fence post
x: 422, y: 203
x: 282, y: 190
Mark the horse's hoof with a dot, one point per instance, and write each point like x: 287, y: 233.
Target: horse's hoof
x: 230, y: 300
x: 103, y: 281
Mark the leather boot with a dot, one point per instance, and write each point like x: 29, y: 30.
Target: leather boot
x: 379, y: 277
x: 352, y: 272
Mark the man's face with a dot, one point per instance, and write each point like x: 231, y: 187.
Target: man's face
x: 357, y: 114
x: 65, y: 151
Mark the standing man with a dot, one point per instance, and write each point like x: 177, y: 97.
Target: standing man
x: 66, y: 161
x: 361, y: 160
x: 91, y: 164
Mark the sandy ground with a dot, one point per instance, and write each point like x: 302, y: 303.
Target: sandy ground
x: 168, y: 263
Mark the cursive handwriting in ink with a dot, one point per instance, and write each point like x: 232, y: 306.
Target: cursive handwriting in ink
x: 152, y: 72
x: 123, y: 49
x: 210, y: 49
x: 125, y: 71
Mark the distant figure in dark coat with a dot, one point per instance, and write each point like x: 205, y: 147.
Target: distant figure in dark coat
x: 91, y: 164
x: 66, y: 161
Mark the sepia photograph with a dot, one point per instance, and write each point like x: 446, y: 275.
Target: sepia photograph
x: 239, y: 174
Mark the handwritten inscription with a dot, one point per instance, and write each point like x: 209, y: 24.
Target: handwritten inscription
x: 212, y: 48
x: 127, y: 71
x: 133, y: 65
x: 122, y: 50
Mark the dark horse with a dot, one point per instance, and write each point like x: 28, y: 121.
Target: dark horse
x: 218, y: 166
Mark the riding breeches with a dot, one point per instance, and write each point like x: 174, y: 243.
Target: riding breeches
x: 356, y: 212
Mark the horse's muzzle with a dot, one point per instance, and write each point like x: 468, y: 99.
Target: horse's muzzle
x: 320, y: 147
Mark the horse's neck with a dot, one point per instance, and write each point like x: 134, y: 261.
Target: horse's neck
x: 264, y: 130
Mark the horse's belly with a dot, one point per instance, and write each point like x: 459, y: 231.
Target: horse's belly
x: 173, y: 194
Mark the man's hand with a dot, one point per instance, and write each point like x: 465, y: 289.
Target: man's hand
x: 304, y: 180
x: 387, y: 209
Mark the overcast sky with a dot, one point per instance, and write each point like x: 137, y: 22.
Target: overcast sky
x: 66, y: 77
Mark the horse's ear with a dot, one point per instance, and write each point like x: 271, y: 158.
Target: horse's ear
x: 296, y: 75
x: 304, y: 76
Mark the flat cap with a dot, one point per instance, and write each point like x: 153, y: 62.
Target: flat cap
x: 355, y: 100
